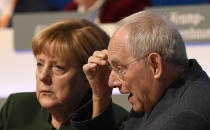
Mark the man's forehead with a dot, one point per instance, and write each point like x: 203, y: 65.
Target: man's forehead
x: 119, y: 38
x: 118, y: 53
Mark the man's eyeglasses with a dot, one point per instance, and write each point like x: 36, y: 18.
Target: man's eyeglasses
x: 121, y: 70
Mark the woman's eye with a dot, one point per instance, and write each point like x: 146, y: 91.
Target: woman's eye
x: 38, y: 64
x: 59, y: 68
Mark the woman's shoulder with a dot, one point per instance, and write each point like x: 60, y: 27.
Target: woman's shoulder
x: 24, y: 98
x: 21, y: 103
x: 22, y: 109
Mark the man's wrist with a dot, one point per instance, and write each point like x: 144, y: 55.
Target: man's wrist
x: 100, y: 105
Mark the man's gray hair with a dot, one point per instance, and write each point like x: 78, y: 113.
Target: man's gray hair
x: 152, y: 33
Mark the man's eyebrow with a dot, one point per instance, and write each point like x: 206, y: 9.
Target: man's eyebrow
x: 114, y: 61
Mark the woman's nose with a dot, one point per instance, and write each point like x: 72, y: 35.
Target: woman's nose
x: 45, y: 75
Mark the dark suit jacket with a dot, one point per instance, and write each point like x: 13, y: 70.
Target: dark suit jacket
x: 114, y: 10
x: 184, y: 106
x: 22, y: 111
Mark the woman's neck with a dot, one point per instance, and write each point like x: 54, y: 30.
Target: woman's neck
x: 59, y: 116
x: 58, y: 120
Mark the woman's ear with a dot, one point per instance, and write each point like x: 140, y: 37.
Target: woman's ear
x: 156, y: 64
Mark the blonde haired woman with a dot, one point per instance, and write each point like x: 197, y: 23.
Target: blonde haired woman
x: 60, y: 51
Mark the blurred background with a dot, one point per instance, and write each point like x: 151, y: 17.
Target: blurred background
x: 20, y: 20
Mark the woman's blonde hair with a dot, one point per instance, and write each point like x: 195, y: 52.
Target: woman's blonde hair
x: 70, y: 36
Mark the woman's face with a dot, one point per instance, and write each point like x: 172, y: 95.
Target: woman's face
x: 59, y: 82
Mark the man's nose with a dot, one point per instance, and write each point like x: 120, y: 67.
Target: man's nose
x: 114, y: 80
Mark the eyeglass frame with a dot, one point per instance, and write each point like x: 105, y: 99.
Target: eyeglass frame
x: 124, y: 68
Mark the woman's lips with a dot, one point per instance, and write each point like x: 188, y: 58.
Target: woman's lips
x: 46, y: 92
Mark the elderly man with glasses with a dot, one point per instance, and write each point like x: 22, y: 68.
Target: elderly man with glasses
x: 148, y: 61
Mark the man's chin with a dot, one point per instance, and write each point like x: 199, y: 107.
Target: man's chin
x: 137, y: 109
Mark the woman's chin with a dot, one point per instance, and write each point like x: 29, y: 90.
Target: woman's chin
x: 47, y: 103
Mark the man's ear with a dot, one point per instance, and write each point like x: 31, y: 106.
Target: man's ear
x: 156, y: 64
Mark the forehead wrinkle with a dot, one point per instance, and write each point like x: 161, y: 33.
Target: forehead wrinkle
x: 119, y: 40
x: 117, y: 48
x: 117, y: 52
